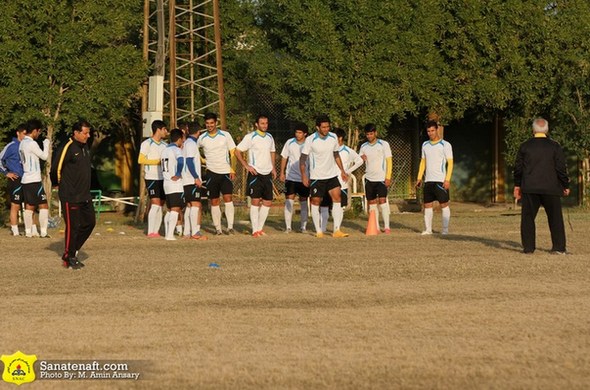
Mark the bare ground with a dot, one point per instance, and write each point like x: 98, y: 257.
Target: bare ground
x: 291, y: 311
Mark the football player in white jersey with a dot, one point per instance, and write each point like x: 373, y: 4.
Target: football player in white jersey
x: 351, y: 162
x: 33, y: 191
x: 325, y: 165
x: 150, y: 153
x: 437, y: 163
x: 291, y: 176
x: 377, y: 155
x: 193, y: 184
x: 172, y: 166
x: 260, y: 146
x: 218, y: 148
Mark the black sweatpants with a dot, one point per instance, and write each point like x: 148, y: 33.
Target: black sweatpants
x: 530, y: 208
x: 80, y: 220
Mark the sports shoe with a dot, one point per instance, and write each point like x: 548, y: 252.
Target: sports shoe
x: 154, y: 235
x: 319, y: 235
x: 261, y: 233
x: 303, y: 230
x: 559, y: 253
x: 199, y: 236
x: 256, y: 234
x: 72, y: 263
x: 171, y: 238
x: 231, y: 232
x: 426, y: 233
x: 45, y: 236
x: 288, y: 230
x: 444, y: 232
x: 387, y: 231
x: 218, y: 233
x: 339, y: 234
x: 65, y: 260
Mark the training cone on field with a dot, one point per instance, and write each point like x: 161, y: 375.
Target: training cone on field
x: 372, y: 228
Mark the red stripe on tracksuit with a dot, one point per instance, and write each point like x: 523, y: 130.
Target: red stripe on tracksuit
x: 68, y: 229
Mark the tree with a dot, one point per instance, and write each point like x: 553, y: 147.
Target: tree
x: 65, y: 60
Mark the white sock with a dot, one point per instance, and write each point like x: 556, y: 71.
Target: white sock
x: 34, y: 230
x: 43, y: 221
x: 216, y: 216
x: 172, y: 220
x: 304, y: 216
x: 263, y: 213
x: 154, y: 219
x: 187, y: 221
x: 14, y: 229
x: 28, y: 217
x: 428, y: 213
x: 229, y: 214
x: 166, y: 226
x: 446, y: 218
x: 337, y: 215
x: 254, y: 213
x: 384, y: 208
x: 289, y: 212
x: 178, y: 228
x: 315, y: 216
x: 325, y: 215
x: 194, y: 220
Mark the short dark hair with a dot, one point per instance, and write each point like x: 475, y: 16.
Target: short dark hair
x: 210, y: 115
x: 300, y: 126
x: 370, y: 127
x: 34, y: 124
x: 193, y: 127
x: 183, y: 125
x: 321, y: 119
x: 260, y: 116
x: 157, y: 124
x: 431, y: 123
x: 340, y: 133
x: 175, y: 135
x: 20, y: 128
x: 78, y: 125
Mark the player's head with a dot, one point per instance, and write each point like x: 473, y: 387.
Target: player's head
x: 262, y: 122
x: 176, y: 136
x: 322, y: 123
x: 540, y: 126
x: 34, y: 127
x: 194, y: 128
x: 159, y: 129
x: 183, y: 125
x: 20, y: 131
x: 81, y: 131
x: 370, y: 132
x: 432, y: 130
x: 300, y: 130
x: 211, y: 122
x: 341, y: 134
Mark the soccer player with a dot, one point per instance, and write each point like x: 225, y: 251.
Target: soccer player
x: 437, y: 163
x: 33, y: 191
x: 351, y: 162
x: 71, y: 171
x: 172, y: 166
x: 192, y: 182
x: 150, y: 153
x: 321, y: 148
x: 11, y: 167
x: 291, y: 176
x: 261, y: 171
x: 218, y: 148
x: 377, y: 155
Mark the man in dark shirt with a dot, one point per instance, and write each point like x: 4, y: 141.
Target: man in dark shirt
x: 71, y: 171
x: 540, y: 178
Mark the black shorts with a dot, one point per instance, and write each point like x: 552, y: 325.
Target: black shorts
x: 260, y: 186
x: 327, y: 200
x: 296, y: 187
x: 192, y: 193
x: 375, y: 189
x: 155, y: 189
x: 320, y: 188
x: 435, y: 191
x: 15, y: 190
x: 175, y: 199
x: 218, y: 183
x: 34, y: 194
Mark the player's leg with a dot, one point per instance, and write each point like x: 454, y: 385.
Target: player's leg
x: 372, y: 199
x: 317, y: 189
x: 174, y: 201
x: 227, y: 189
x: 289, y: 204
x: 303, y: 193
x: 337, y: 211
x: 442, y: 196
x: 86, y: 224
x: 15, y: 190
x: 552, y: 206
x: 214, y: 188
x: 325, y: 211
x: 429, y: 198
x: 266, y: 203
x: 530, y: 208
x: 384, y: 207
x: 155, y: 214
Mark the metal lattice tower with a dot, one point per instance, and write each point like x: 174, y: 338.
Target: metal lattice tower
x: 182, y: 41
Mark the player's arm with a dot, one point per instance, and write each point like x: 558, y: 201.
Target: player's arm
x: 303, y: 169
x: 143, y: 160
x: 339, y: 163
x: 421, y: 171
x: 357, y: 161
x: 273, y: 157
x: 43, y: 154
x: 388, y: 170
x: 242, y: 160
x: 179, y: 168
x: 232, y: 163
x: 447, y: 183
x: 284, y: 168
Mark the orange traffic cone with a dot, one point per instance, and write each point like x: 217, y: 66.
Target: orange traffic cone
x: 372, y: 229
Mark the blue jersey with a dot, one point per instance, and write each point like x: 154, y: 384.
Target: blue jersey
x: 10, y: 159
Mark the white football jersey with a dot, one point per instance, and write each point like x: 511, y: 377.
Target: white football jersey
x: 152, y: 150
x: 376, y: 164
x: 190, y: 150
x: 321, y: 150
x: 259, y: 147
x: 436, y: 156
x: 292, y: 152
x: 216, y: 149
x: 30, y: 153
x: 169, y: 159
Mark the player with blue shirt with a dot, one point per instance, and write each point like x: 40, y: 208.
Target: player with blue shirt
x: 172, y: 166
x: 11, y: 167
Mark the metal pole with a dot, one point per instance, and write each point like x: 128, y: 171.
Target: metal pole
x: 172, y: 44
x: 219, y: 64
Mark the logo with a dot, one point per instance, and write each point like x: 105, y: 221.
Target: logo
x: 18, y: 368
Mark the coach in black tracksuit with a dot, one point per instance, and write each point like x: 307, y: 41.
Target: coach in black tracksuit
x: 71, y: 171
x: 540, y: 178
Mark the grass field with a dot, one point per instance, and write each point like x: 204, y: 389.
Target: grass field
x: 462, y: 311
